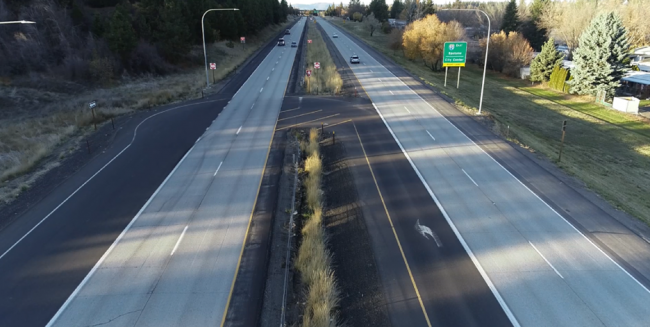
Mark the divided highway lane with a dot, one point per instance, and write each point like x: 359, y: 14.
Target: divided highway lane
x: 543, y: 271
x: 174, y: 265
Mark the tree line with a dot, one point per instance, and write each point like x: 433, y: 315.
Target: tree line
x: 74, y: 39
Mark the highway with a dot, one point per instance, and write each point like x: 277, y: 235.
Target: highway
x: 176, y: 261
x: 541, y: 269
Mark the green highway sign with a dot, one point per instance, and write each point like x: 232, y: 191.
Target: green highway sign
x: 454, y: 54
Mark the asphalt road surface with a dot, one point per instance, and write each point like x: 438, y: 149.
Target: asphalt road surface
x: 47, y: 252
x: 434, y: 282
x: 541, y: 269
x: 175, y: 264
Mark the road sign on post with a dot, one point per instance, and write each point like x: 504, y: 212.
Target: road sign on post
x: 308, y: 72
x: 242, y: 39
x: 317, y: 65
x: 454, y: 54
x: 92, y: 104
x: 213, y: 66
x: 308, y: 41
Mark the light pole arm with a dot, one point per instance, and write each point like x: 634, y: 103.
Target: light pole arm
x: 18, y: 22
x: 205, y: 54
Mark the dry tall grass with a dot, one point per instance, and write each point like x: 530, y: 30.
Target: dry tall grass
x: 314, y: 260
x: 327, y: 78
x: 35, y: 122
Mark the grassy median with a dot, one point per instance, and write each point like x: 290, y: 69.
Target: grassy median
x: 314, y: 260
x: 609, y: 151
x: 327, y: 78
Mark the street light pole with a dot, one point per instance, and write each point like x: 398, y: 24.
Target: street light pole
x: 487, y: 46
x: 18, y: 22
x: 205, y: 55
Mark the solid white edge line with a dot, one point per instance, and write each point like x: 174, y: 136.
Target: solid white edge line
x: 468, y: 176
x: 543, y: 257
x: 110, y: 249
x: 480, y: 269
x: 135, y: 133
x: 428, y: 132
x: 215, y: 173
x: 179, y: 240
x: 513, y: 176
x: 239, y: 130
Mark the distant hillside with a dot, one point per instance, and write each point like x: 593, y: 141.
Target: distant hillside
x: 317, y: 6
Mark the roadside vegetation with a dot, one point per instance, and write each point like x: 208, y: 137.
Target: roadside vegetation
x: 314, y: 261
x: 609, y: 151
x: 39, y: 117
x: 326, y: 79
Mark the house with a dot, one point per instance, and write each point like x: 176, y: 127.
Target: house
x: 640, y: 57
x: 396, y: 23
x: 636, y: 84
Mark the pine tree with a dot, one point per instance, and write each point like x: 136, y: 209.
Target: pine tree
x: 599, y: 59
x: 542, y: 66
x: 531, y: 29
x: 428, y: 9
x: 98, y: 28
x: 396, y: 9
x: 380, y: 9
x: 510, y: 19
x: 174, y: 34
x: 121, y: 36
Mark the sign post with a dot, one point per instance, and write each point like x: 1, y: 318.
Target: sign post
x: 92, y: 106
x: 562, y: 141
x: 213, y: 66
x: 454, y: 55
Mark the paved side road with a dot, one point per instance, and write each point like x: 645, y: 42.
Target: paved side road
x: 543, y: 270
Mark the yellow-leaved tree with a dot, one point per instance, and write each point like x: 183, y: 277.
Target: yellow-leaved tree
x: 425, y: 38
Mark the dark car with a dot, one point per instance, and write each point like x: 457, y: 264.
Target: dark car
x: 287, y: 32
x: 294, y: 44
x: 281, y: 42
x: 355, y: 59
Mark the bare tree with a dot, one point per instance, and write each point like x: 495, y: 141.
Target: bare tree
x: 371, y: 23
x: 566, y: 20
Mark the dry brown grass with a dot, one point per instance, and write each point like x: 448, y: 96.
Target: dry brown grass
x: 34, y: 122
x: 326, y: 79
x: 314, y: 259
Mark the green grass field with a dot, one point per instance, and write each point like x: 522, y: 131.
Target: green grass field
x: 609, y: 151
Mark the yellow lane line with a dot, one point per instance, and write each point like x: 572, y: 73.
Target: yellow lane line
x: 408, y: 268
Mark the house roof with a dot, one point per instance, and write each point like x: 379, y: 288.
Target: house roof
x: 638, y: 77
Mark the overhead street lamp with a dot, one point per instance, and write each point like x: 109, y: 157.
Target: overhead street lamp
x: 18, y: 22
x: 480, y: 103
x: 205, y: 55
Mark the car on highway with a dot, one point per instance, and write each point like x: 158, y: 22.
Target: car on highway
x: 294, y: 44
x: 355, y: 59
x: 335, y: 35
x: 281, y: 42
x: 287, y: 32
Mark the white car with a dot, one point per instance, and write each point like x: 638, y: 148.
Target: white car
x: 355, y: 59
x: 335, y: 36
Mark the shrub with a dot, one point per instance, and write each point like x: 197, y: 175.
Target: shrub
x: 508, y: 52
x: 386, y: 28
x: 357, y: 16
x: 230, y: 44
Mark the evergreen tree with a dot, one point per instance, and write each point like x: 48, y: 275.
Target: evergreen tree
x: 510, y: 19
x: 599, y: 59
x: 121, y: 36
x: 98, y: 28
x: 396, y: 9
x: 380, y: 9
x: 531, y: 30
x: 542, y: 66
x: 174, y: 33
x: 428, y: 9
x: 285, y: 10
